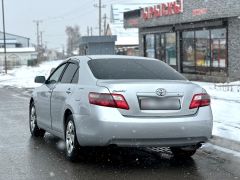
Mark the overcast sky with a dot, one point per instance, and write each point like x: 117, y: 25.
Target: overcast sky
x: 56, y: 15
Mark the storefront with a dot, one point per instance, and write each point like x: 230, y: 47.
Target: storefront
x: 200, y: 39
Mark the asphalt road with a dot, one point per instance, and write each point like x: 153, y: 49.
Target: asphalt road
x: 24, y: 157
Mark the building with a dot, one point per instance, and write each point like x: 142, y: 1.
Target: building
x: 97, y: 45
x: 200, y: 39
x: 127, y: 42
x: 18, y: 50
x: 14, y: 41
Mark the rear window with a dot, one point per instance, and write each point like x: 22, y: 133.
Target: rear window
x: 133, y: 69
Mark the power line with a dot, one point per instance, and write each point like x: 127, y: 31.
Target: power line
x: 68, y: 13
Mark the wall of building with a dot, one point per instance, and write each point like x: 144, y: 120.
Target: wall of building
x: 233, y: 26
x: 101, y: 48
x: 215, y: 9
x: 225, y: 11
x: 18, y: 58
x: 234, y: 48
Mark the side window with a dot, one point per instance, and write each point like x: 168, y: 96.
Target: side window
x: 56, y: 75
x: 69, y: 73
x: 75, y: 77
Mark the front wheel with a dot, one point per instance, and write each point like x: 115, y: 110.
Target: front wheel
x: 34, y: 129
x: 183, y: 152
x: 72, y: 145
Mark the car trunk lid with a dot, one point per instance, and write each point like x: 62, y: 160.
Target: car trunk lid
x: 154, y: 98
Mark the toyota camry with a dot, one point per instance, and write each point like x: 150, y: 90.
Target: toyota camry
x: 122, y: 101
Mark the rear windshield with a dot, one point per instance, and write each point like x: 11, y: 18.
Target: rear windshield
x: 132, y: 69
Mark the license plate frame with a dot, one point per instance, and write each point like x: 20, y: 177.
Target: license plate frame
x: 156, y: 103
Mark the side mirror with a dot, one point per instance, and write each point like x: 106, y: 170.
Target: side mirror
x: 53, y: 69
x: 40, y: 79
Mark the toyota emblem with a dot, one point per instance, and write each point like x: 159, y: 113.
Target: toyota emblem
x: 161, y: 92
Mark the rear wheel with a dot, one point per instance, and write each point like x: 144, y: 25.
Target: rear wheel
x: 183, y: 152
x: 72, y: 145
x: 34, y: 129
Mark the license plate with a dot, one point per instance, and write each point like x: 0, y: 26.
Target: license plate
x: 167, y: 103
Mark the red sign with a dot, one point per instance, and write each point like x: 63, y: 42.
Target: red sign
x: 132, y: 22
x: 198, y: 12
x: 163, y: 9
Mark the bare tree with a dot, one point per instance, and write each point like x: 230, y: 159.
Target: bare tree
x: 73, y: 38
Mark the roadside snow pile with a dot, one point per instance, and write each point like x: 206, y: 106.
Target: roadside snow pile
x: 226, y: 109
x: 23, y: 77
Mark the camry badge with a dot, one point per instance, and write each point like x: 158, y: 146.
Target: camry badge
x: 161, y: 92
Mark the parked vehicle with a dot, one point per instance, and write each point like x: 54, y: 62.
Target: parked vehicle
x: 123, y: 101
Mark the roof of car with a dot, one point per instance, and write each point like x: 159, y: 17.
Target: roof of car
x: 100, y: 57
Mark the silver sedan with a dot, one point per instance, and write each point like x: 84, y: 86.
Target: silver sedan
x: 123, y: 101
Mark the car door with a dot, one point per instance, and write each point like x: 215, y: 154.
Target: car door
x: 44, y: 95
x: 62, y: 92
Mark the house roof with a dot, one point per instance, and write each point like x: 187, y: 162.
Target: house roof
x: 15, y: 35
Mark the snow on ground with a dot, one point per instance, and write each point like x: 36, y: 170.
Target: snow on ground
x: 226, y: 110
x: 23, y: 77
x: 225, y: 104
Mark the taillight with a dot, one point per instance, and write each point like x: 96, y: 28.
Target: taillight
x: 200, y: 100
x: 108, y: 100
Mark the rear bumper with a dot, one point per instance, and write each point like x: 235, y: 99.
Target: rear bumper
x: 131, y: 131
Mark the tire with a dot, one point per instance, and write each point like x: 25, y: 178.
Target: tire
x: 34, y: 129
x: 183, y: 152
x: 72, y: 145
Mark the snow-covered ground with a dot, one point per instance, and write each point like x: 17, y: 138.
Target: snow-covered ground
x: 23, y: 77
x: 225, y: 104
x: 226, y: 110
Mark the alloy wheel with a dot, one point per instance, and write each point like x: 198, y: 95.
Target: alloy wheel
x: 33, y: 119
x: 70, y: 137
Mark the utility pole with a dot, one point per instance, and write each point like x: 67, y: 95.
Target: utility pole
x: 63, y: 51
x: 100, y: 6
x: 41, y: 38
x: 46, y: 44
x: 38, y: 36
x: 105, y: 24
x: 91, y: 30
x: 4, y: 38
x: 100, y: 17
x: 88, y: 31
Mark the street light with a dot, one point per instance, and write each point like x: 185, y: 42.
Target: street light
x: 4, y: 38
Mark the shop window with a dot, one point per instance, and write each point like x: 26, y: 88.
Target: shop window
x: 188, y: 55
x: 150, y: 46
x: 219, y: 48
x: 204, y: 51
x: 160, y: 47
x: 166, y: 48
x: 171, y: 53
x: 203, y: 55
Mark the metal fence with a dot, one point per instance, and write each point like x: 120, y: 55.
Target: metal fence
x: 228, y: 87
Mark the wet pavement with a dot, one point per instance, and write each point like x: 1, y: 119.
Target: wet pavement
x: 24, y: 157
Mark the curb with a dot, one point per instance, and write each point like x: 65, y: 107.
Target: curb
x: 225, y: 143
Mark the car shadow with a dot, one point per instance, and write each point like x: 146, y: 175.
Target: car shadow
x: 112, y: 159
